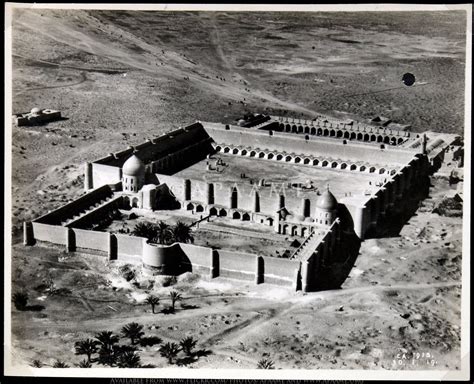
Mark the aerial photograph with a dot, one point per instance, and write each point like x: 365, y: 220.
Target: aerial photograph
x: 236, y: 189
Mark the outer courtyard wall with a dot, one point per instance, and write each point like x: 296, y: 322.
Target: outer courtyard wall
x: 280, y: 271
x: 237, y: 265
x: 129, y: 246
x: 86, y: 239
x: 291, y: 143
x: 73, y: 208
x: 50, y: 233
x: 197, y: 255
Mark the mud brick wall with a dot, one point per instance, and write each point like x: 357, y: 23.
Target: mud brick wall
x: 91, y: 239
x: 50, y: 233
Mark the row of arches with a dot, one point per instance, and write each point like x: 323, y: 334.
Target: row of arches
x: 224, y: 212
x: 342, y: 134
x: 302, y: 160
x: 295, y: 230
x: 128, y: 204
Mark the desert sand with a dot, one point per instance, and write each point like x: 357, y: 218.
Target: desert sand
x: 120, y: 77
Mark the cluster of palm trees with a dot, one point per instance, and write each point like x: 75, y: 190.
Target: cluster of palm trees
x: 154, y: 301
x: 163, y: 233
x: 104, y: 349
x: 171, y: 350
x: 109, y: 351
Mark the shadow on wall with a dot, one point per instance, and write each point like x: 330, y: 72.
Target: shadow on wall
x: 347, y: 223
x: 169, y: 260
x: 165, y: 199
x: 395, y: 218
x: 343, y: 258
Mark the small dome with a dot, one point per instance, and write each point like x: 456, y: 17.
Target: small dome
x: 309, y: 220
x: 36, y: 111
x: 133, y: 166
x: 242, y: 122
x: 327, y: 201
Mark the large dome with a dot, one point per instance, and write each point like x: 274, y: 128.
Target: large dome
x: 133, y: 166
x: 327, y: 201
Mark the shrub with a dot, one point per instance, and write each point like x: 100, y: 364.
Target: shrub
x: 149, y: 341
x: 126, y: 272
x: 37, y: 364
x: 84, y: 364
x: 20, y: 299
x: 60, y: 364
x: 265, y: 364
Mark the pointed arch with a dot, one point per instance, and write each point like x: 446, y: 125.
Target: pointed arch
x: 222, y: 212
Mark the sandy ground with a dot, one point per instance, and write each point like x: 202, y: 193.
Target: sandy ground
x: 403, y: 296
x: 218, y: 232
x: 120, y: 78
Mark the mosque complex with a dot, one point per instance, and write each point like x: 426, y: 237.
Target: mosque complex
x: 321, y: 181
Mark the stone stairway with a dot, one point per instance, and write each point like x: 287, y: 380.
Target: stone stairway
x: 86, y: 211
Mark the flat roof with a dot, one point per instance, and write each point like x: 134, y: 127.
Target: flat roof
x: 341, y: 182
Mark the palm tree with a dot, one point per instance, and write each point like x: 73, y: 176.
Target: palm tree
x: 174, y: 296
x: 133, y: 331
x: 86, y: 347
x: 265, y: 364
x: 153, y: 301
x: 129, y: 359
x: 181, y: 233
x: 187, y: 345
x: 170, y: 351
x: 144, y: 229
x: 84, y: 364
x: 60, y: 364
x: 163, y: 233
x: 20, y: 299
x: 107, y: 341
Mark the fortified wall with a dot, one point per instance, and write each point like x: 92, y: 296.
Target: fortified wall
x: 395, y: 165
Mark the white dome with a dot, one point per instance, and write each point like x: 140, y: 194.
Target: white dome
x: 36, y: 111
x: 133, y: 166
x: 327, y: 201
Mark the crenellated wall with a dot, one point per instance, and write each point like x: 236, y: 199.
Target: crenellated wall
x: 81, y: 204
x: 171, y: 259
x: 288, y: 143
x: 342, y: 129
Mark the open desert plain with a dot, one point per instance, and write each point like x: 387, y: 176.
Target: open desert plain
x: 120, y: 77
